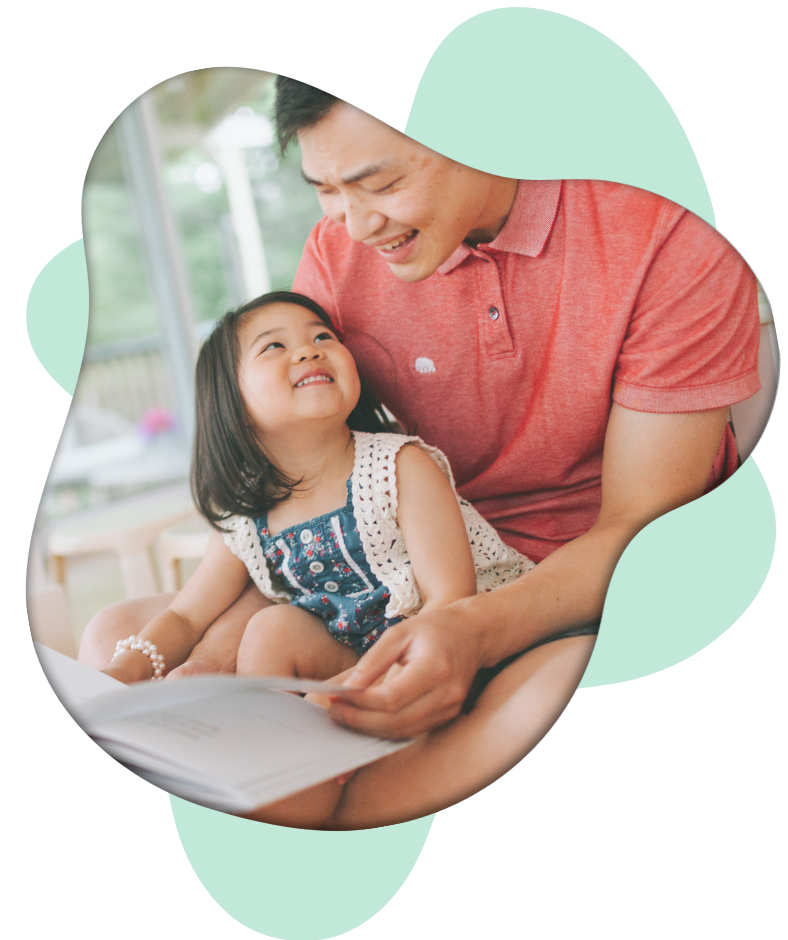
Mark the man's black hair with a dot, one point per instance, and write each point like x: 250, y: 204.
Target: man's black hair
x: 231, y: 474
x: 297, y: 107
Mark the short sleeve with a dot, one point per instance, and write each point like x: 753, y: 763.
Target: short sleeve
x: 313, y: 276
x: 693, y: 337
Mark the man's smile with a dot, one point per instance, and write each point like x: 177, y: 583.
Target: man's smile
x: 398, y: 250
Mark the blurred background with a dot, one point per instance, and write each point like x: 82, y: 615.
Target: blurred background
x: 188, y: 211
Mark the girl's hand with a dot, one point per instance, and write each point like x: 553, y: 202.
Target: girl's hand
x: 194, y: 667
x: 118, y: 674
x: 130, y: 667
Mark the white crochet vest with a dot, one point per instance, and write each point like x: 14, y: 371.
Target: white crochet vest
x: 375, y: 501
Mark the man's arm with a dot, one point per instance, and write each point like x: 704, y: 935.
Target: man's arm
x: 652, y: 463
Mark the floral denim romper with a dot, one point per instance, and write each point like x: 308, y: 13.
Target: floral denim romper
x: 322, y: 561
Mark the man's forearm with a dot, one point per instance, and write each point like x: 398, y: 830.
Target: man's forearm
x: 567, y: 589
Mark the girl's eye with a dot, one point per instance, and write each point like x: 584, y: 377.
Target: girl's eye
x: 324, y: 336
x: 272, y: 346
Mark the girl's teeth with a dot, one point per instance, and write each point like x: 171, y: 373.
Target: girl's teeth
x: 314, y: 378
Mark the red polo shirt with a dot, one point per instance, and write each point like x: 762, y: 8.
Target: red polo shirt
x: 509, y: 356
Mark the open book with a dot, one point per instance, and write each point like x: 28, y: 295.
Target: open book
x: 226, y: 742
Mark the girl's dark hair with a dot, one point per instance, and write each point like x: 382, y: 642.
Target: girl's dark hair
x: 231, y: 475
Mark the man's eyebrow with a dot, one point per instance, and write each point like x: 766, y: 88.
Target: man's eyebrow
x: 369, y: 170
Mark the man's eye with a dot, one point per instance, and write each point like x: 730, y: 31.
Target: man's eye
x: 388, y: 186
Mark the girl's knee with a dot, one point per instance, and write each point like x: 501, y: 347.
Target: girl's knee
x: 116, y: 622
x: 286, y: 620
x: 276, y: 638
x: 273, y: 620
x: 107, y: 617
x: 270, y: 628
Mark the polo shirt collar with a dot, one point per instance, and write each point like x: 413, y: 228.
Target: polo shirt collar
x: 527, y: 226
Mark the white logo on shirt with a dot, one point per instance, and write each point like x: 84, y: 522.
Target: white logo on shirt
x: 424, y: 365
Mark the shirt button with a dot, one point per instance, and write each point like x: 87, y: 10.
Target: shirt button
x: 316, y: 567
x: 493, y: 311
x: 331, y: 586
x: 306, y: 536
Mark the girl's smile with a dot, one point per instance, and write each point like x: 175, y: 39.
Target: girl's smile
x: 316, y: 376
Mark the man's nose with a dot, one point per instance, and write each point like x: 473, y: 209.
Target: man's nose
x: 360, y: 220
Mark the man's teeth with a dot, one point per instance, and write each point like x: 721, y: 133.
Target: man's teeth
x: 314, y: 378
x: 397, y: 241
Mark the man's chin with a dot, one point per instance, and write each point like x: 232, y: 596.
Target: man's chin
x: 410, y: 273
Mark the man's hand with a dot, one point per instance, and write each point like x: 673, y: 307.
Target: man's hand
x: 438, y: 652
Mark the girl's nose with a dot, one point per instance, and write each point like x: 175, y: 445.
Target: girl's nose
x: 308, y: 352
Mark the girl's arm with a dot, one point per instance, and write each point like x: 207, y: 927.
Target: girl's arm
x: 440, y: 555
x: 433, y: 530
x: 218, y: 581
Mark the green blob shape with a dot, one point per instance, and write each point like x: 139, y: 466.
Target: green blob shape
x: 297, y: 884
x: 563, y: 102
x: 531, y: 94
x: 57, y: 315
x: 685, y: 579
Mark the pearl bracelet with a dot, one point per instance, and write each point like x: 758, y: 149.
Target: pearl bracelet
x: 147, y: 649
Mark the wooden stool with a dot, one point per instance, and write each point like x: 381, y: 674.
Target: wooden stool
x: 187, y: 539
x: 47, y: 608
x: 128, y: 530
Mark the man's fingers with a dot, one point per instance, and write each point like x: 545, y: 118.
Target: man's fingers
x: 376, y: 661
x: 421, y: 716
x: 414, y: 681
x: 401, y: 712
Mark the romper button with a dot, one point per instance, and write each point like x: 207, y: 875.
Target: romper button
x: 331, y: 586
x: 306, y: 536
x: 493, y: 313
x: 316, y: 567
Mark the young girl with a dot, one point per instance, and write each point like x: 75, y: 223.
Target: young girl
x: 345, y: 531
x: 344, y: 527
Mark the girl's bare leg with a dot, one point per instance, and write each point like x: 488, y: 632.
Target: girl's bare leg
x: 283, y: 640
x: 445, y: 766
x: 216, y: 652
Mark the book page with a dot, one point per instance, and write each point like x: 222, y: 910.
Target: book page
x: 74, y: 683
x: 230, y: 742
x: 237, y: 751
x: 237, y: 737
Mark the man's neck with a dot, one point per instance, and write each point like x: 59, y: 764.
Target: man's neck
x: 499, y: 205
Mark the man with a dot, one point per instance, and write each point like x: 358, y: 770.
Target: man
x: 498, y: 320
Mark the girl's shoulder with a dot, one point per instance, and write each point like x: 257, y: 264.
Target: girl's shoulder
x: 377, y: 454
